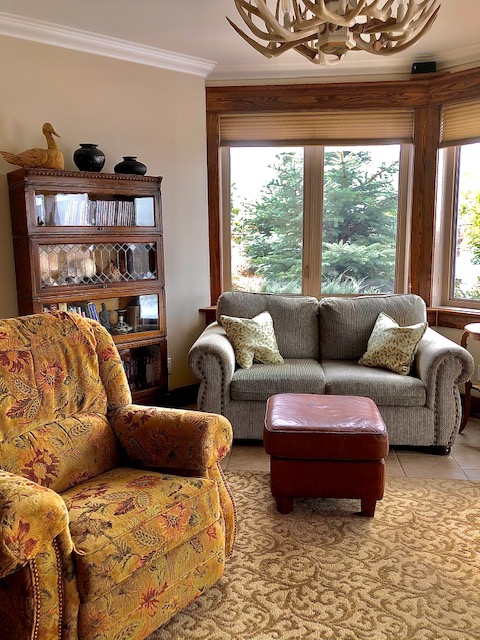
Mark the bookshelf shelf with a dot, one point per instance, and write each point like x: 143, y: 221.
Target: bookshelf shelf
x: 92, y: 243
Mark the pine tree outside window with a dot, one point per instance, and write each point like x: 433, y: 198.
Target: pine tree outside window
x: 317, y: 220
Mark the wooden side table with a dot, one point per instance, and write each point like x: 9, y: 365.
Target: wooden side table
x: 469, y: 331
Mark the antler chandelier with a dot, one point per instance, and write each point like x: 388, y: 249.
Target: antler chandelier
x: 325, y: 30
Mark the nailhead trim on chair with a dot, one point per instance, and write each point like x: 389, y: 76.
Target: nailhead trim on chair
x: 36, y: 598
x: 36, y: 592
x: 222, y: 386
x: 59, y: 586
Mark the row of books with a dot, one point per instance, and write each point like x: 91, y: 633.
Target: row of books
x: 80, y: 211
x: 85, y: 309
x: 142, y: 373
x: 113, y: 213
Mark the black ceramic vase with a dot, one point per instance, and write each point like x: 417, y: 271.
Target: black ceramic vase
x: 89, y: 158
x: 130, y: 164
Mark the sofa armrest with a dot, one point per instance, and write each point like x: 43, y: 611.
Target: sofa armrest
x: 31, y: 517
x: 212, y: 360
x: 442, y: 365
x: 434, y: 352
x: 175, y: 439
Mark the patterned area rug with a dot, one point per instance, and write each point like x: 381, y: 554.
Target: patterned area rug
x: 324, y: 573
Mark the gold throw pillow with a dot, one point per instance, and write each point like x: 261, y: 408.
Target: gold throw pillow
x: 252, y: 339
x: 391, y: 346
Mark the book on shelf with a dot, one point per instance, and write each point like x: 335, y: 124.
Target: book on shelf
x: 112, y: 213
x: 85, y: 309
x: 51, y: 306
x: 92, y: 311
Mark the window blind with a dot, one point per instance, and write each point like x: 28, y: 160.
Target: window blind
x: 460, y: 123
x: 321, y: 127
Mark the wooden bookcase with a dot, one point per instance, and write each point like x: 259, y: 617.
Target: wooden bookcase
x: 93, y: 243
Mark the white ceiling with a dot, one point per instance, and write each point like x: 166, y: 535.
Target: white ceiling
x: 195, y: 34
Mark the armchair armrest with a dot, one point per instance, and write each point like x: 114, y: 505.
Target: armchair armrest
x: 172, y: 438
x: 186, y: 442
x: 212, y: 360
x: 442, y: 365
x: 31, y: 516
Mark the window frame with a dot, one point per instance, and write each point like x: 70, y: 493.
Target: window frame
x: 446, y: 232
x: 313, y: 216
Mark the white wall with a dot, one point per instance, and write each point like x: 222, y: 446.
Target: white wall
x: 127, y: 109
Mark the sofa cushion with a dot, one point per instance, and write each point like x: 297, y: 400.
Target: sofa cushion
x: 125, y: 519
x: 348, y: 378
x: 252, y: 339
x: 347, y: 323
x: 295, y: 319
x: 392, y: 347
x: 264, y: 380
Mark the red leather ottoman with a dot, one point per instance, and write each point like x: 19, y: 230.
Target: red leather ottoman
x: 325, y: 447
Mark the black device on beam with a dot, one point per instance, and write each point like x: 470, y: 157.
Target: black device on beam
x: 424, y: 67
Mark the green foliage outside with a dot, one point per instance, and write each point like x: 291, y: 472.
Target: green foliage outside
x: 469, y: 215
x: 359, y: 226
x: 470, y: 209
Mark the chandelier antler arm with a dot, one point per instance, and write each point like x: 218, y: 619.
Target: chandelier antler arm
x: 245, y: 9
x: 301, y: 23
x: 424, y: 17
x: 315, y: 56
x: 422, y: 10
x: 389, y: 50
x: 374, y: 10
x: 268, y: 52
x: 321, y: 11
x: 271, y: 51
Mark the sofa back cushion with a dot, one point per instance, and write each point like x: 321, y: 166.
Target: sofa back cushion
x: 346, y: 323
x: 54, y: 428
x: 295, y: 320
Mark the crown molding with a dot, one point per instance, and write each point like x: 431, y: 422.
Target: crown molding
x: 355, y: 65
x: 69, y: 38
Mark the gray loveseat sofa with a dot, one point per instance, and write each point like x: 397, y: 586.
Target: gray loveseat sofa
x: 321, y: 342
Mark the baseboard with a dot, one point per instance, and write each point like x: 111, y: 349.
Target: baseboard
x: 182, y: 396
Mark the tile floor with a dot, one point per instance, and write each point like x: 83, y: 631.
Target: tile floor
x: 462, y: 464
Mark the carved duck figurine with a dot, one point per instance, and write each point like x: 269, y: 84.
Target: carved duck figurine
x: 50, y: 158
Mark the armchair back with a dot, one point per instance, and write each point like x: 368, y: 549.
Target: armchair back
x: 57, y: 382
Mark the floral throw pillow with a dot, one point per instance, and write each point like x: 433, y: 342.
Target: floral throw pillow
x: 391, y: 346
x: 252, y: 339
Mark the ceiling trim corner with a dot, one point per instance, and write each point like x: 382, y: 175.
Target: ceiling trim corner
x: 69, y: 38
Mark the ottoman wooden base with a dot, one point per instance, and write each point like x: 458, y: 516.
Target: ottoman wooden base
x: 325, y: 447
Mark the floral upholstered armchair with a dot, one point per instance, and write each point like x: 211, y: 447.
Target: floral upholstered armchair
x: 113, y: 516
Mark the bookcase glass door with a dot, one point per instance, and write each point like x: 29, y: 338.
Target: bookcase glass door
x: 97, y: 263
x: 91, y: 210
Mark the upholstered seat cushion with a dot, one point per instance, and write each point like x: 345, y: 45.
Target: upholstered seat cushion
x: 345, y: 377
x: 264, y: 380
x: 127, y: 519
